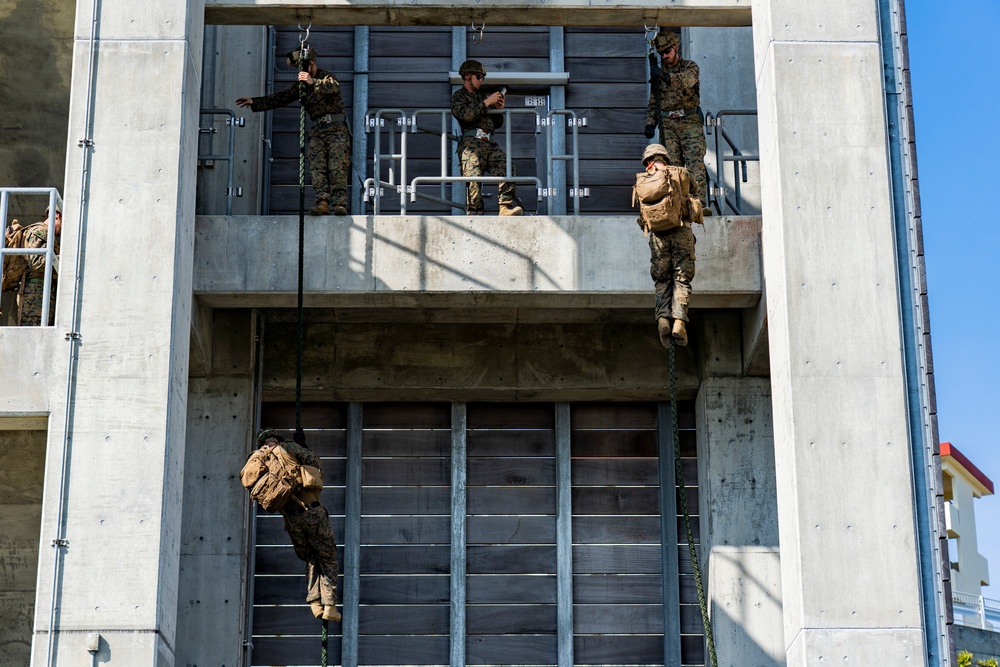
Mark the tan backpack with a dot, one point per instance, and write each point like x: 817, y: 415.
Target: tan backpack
x: 13, y: 265
x: 272, y: 476
x: 665, y: 199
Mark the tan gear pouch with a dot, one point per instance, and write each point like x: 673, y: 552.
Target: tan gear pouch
x: 695, y: 212
x: 312, y: 477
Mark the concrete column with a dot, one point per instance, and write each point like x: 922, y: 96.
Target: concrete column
x: 213, y: 558
x: 849, y: 569
x: 113, y: 478
x: 739, y: 526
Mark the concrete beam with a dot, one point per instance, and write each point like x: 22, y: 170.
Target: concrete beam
x: 28, y: 372
x: 439, y: 261
x: 493, y: 12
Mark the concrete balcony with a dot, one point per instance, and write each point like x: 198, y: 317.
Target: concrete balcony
x: 462, y: 262
x: 28, y: 373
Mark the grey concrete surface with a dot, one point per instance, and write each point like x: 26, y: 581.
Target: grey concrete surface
x: 840, y: 412
x: 28, y: 374
x: 983, y: 644
x: 213, y: 550
x: 738, y: 500
x: 494, y: 12
x: 251, y: 261
x: 21, y: 479
x: 124, y: 434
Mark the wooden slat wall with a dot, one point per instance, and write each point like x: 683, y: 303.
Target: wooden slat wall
x: 408, y: 70
x: 511, y: 613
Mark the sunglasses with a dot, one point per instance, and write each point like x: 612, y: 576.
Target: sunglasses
x: 479, y: 76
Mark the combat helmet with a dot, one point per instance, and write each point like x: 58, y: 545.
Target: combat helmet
x: 263, y: 436
x: 471, y: 67
x: 653, y: 150
x: 293, y: 56
x: 665, y: 39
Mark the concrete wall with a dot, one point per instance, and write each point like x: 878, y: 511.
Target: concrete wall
x: 211, y: 616
x: 983, y: 644
x: 23, y: 454
x: 738, y: 501
x: 352, y: 259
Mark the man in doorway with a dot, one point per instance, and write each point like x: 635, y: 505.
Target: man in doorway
x: 674, y: 107
x: 479, y: 154
x: 329, y: 139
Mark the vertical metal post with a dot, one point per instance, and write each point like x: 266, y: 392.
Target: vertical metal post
x: 3, y: 220
x: 359, y: 144
x: 352, y: 538
x: 557, y: 97
x: 265, y: 191
x: 458, y: 510
x: 564, y: 536
x: 458, y: 53
x: 668, y: 538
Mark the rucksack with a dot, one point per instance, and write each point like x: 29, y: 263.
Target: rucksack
x: 272, y: 476
x: 665, y: 199
x: 13, y: 265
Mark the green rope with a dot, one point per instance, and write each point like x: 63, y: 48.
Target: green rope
x: 682, y: 497
x: 322, y: 654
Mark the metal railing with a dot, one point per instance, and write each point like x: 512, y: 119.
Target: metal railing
x: 375, y: 186
x: 232, y: 122
x: 51, y: 259
x: 976, y: 611
x: 718, y: 196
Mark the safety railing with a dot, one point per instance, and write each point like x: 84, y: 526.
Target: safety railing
x: 398, y: 125
x: 718, y: 194
x: 976, y: 611
x: 232, y: 122
x: 51, y: 268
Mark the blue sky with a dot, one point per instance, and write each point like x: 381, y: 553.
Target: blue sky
x: 955, y: 69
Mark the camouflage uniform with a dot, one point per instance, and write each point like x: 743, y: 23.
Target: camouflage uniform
x: 329, y: 142
x: 671, y: 265
x: 312, y: 536
x: 32, y: 290
x: 480, y: 157
x: 682, y: 135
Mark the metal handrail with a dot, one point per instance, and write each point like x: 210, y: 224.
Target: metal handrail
x: 715, y: 122
x: 985, y: 610
x: 374, y: 186
x: 55, y: 201
x: 227, y: 157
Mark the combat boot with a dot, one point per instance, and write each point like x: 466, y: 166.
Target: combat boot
x: 330, y: 613
x: 322, y: 207
x: 339, y: 210
x: 317, y: 608
x: 507, y: 209
x: 680, y: 333
x: 664, y: 326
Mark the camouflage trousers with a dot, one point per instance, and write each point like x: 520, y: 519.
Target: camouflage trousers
x: 30, y: 302
x: 684, y: 139
x: 315, y: 543
x: 671, y: 265
x: 330, y: 163
x: 485, y: 158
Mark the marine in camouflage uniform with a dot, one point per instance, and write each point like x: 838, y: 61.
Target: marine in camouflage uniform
x: 671, y: 266
x: 311, y: 534
x: 674, y: 106
x: 479, y: 154
x: 32, y: 290
x: 329, y: 138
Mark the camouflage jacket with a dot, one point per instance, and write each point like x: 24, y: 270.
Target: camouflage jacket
x: 681, y: 93
x: 471, y: 113
x: 34, y: 237
x: 323, y: 97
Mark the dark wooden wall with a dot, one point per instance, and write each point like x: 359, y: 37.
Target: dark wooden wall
x: 511, y: 611
x: 409, y: 70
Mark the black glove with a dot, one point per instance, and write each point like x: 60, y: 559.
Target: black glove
x: 649, y: 131
x: 658, y: 74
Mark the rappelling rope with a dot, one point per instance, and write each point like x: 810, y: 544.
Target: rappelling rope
x: 682, y: 498
x: 300, y: 436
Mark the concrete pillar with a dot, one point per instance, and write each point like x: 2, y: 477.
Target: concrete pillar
x: 113, y: 478
x: 739, y: 526
x: 213, y: 558
x: 849, y: 569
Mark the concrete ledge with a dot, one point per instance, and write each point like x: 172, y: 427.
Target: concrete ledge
x: 27, y: 371
x: 493, y: 12
x: 462, y: 261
